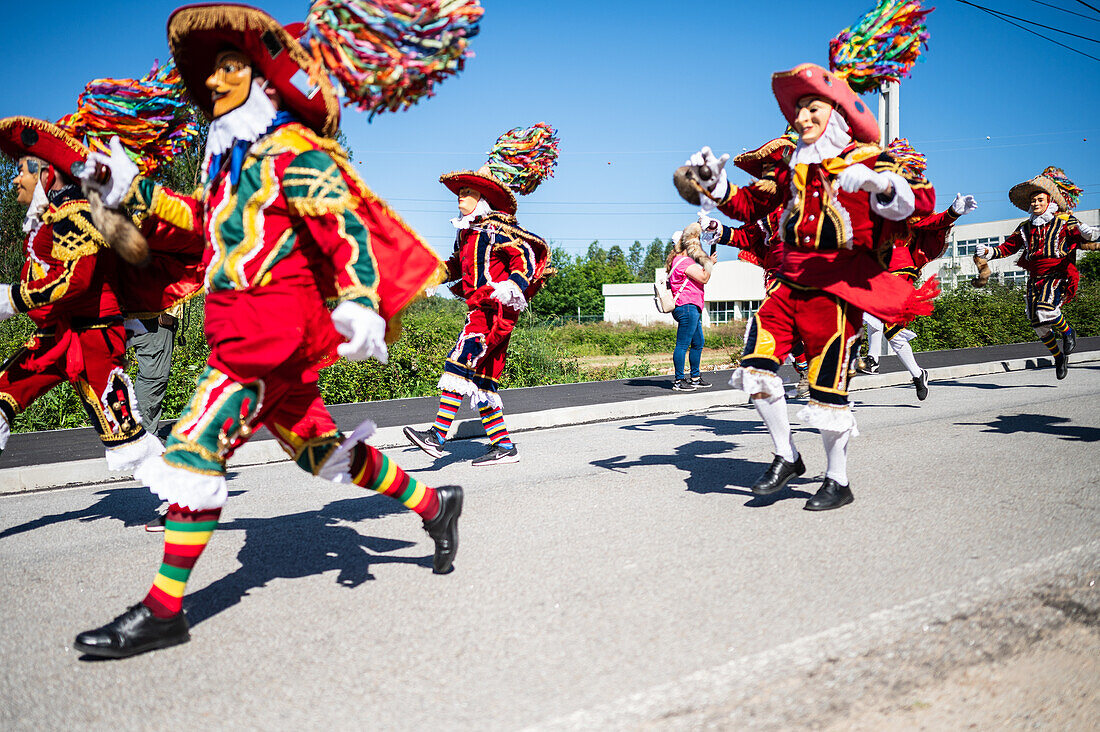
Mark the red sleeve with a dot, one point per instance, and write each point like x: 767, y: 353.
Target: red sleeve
x: 65, y: 250
x: 757, y: 200
x: 930, y: 234
x: 1009, y: 246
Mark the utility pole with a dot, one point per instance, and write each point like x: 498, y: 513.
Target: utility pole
x: 889, y: 112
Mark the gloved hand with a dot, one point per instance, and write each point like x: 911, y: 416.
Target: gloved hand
x: 364, y: 329
x: 963, y: 204
x: 985, y: 251
x: 706, y: 223
x: 7, y: 306
x: 717, y: 185
x: 509, y: 294
x: 123, y: 171
x: 861, y: 178
x: 1090, y: 233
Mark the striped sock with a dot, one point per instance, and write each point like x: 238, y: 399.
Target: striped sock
x: 449, y: 402
x: 371, y: 469
x: 186, y: 534
x: 493, y: 419
x: 1051, y: 342
x: 1061, y: 325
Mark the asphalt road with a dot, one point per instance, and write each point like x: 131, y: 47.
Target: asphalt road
x: 613, y: 559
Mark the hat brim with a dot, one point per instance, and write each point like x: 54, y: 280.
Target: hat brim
x: 1021, y: 193
x: 493, y: 191
x: 771, y: 153
x: 198, y: 33
x: 27, y: 136
x: 812, y: 80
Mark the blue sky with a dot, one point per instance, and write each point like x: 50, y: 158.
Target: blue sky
x: 634, y: 88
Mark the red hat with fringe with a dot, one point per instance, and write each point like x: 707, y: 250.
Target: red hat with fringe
x: 198, y: 33
x: 812, y: 80
x: 758, y: 162
x: 26, y: 136
x: 484, y: 182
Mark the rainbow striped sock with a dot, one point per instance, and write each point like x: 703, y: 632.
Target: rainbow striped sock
x: 449, y: 402
x: 493, y: 419
x: 186, y: 534
x: 371, y: 469
x: 1051, y: 342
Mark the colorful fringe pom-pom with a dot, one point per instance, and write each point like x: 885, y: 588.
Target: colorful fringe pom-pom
x: 150, y: 116
x: 389, y: 54
x: 912, y: 162
x: 1070, y: 191
x: 524, y: 156
x: 881, y: 46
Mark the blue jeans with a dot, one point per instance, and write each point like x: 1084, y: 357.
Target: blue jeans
x: 689, y: 333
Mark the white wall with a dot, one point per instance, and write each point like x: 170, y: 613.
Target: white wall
x: 729, y: 282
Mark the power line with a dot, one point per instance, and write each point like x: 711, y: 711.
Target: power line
x: 1079, y: 15
x: 1025, y: 20
x: 1090, y: 7
x: 1040, y: 35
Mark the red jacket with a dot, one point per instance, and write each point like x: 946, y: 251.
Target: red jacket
x: 496, y: 249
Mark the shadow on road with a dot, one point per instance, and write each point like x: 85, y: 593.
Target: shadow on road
x: 301, y: 545
x: 707, y: 473
x: 970, y: 384
x: 718, y: 427
x: 1040, y: 423
x: 455, y: 451
x: 133, y: 506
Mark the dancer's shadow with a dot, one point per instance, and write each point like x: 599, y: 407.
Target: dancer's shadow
x: 707, y: 473
x: 301, y: 545
x: 718, y: 427
x: 133, y: 506
x: 1040, y: 423
x: 987, y: 385
x: 455, y: 451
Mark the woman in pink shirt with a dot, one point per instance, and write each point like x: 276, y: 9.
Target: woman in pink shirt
x: 688, y: 270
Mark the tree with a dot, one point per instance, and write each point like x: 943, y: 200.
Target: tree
x: 1089, y: 267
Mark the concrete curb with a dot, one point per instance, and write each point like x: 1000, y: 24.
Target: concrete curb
x: 94, y: 471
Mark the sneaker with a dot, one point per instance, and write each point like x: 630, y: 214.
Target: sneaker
x: 496, y: 455
x: 682, y: 385
x: 698, y: 383
x: 867, y: 365
x: 803, y: 389
x: 157, y: 524
x: 921, y: 382
x: 429, y: 440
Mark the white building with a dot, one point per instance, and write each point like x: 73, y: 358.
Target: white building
x: 736, y: 289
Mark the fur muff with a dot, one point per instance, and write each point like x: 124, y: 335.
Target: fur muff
x: 689, y: 181
x: 983, y: 272
x: 121, y: 234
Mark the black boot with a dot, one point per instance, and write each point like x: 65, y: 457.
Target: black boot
x: 777, y: 475
x: 444, y: 528
x: 830, y: 495
x: 1069, y: 341
x: 135, y: 631
x: 1061, y: 366
x: 921, y: 382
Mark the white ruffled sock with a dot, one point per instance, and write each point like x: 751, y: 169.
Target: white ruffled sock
x: 778, y: 423
x: 836, y: 451
x: 904, y: 351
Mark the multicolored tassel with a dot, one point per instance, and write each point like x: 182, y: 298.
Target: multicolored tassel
x: 881, y: 46
x: 1070, y: 191
x: 912, y: 162
x: 523, y: 157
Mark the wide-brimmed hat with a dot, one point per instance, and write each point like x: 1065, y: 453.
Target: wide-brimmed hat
x: 1052, y: 181
x: 812, y: 80
x: 770, y: 154
x: 26, y: 136
x: 498, y: 196
x: 198, y: 33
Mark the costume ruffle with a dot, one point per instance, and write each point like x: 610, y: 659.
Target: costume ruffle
x: 758, y: 381
x: 478, y: 397
x: 830, y: 417
x: 338, y: 466
x: 132, y: 454
x: 193, y: 491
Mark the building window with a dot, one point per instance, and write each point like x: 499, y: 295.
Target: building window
x: 967, y: 247
x: 749, y: 308
x: 721, y: 312
x: 1014, y: 277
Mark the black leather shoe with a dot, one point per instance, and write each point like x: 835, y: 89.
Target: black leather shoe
x: 444, y: 528
x: 777, y: 475
x: 830, y: 495
x: 1069, y: 341
x: 135, y: 631
x: 921, y: 382
x: 1061, y: 366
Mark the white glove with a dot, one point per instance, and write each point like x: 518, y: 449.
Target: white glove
x: 1089, y: 233
x: 123, y: 172
x: 717, y: 185
x: 364, y: 329
x: 963, y: 204
x: 7, y: 305
x: 985, y: 251
x: 508, y: 292
x: 706, y: 223
x: 861, y: 178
